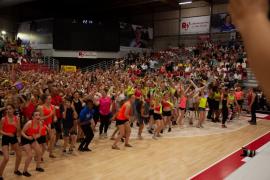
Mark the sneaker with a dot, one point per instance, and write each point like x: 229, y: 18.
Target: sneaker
x: 18, y: 173
x: 26, y: 174
x: 253, y: 123
x: 150, y: 131
x: 105, y: 135
x: 64, y: 151
x: 170, y: 129
x: 52, y: 156
x: 154, y: 137
x: 40, y: 169
x: 80, y: 149
x: 128, y: 145
x: 86, y: 149
x: 115, y: 147
x: 159, y: 135
x: 224, y: 126
x: 161, y: 131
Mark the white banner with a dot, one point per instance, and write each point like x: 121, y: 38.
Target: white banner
x: 88, y: 55
x: 195, y: 25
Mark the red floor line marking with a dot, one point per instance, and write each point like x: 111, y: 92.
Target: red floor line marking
x: 228, y: 164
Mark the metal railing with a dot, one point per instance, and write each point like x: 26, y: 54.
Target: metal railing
x: 102, y: 65
x: 52, y: 63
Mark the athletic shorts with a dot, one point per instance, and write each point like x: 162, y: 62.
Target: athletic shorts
x: 96, y: 114
x: 182, y: 109
x: 68, y: 132
x: 41, y: 140
x: 151, y: 112
x: 216, y: 105
x: 157, y: 117
x: 105, y: 118
x: 143, y: 120
x: 231, y: 106
x: 167, y: 113
x: 6, y: 140
x: 120, y: 122
x: 57, y: 126
x: 191, y: 109
x: 240, y: 102
x: 201, y: 109
x: 25, y: 141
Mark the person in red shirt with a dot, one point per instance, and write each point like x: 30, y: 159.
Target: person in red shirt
x: 57, y: 101
x: 47, y: 111
x: 30, y: 134
x: 10, y: 127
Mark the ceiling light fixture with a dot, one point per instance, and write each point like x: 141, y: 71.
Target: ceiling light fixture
x: 186, y: 2
x: 3, y: 32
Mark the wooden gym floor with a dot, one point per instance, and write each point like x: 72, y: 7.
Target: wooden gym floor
x: 166, y: 158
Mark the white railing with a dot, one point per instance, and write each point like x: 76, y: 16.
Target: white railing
x: 51, y: 63
x: 102, y: 65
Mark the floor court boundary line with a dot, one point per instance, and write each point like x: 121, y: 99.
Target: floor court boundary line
x: 226, y: 157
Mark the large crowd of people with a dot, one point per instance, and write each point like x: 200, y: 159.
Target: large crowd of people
x: 157, y: 91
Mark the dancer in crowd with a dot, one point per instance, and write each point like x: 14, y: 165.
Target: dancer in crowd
x: 182, y: 106
x: 216, y: 103
x: 30, y: 133
x: 167, y: 110
x: 78, y: 104
x: 122, y: 122
x: 10, y: 128
x: 253, y: 106
x: 47, y: 111
x: 239, y: 95
x: 69, y: 125
x: 225, y: 111
x: 232, y: 104
x: 105, y: 105
x: 202, y: 99
x: 144, y: 115
x: 158, y: 117
x: 87, y: 125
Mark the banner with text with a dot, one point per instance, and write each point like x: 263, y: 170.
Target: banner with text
x: 87, y: 55
x: 68, y: 68
x: 195, y: 25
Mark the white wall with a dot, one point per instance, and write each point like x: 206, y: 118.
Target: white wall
x: 166, y: 24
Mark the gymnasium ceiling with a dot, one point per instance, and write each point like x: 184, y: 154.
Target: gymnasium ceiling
x: 34, y: 9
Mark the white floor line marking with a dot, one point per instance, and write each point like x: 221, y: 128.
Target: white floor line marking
x: 226, y: 157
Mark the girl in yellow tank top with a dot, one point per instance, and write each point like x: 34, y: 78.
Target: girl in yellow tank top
x: 202, y: 106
